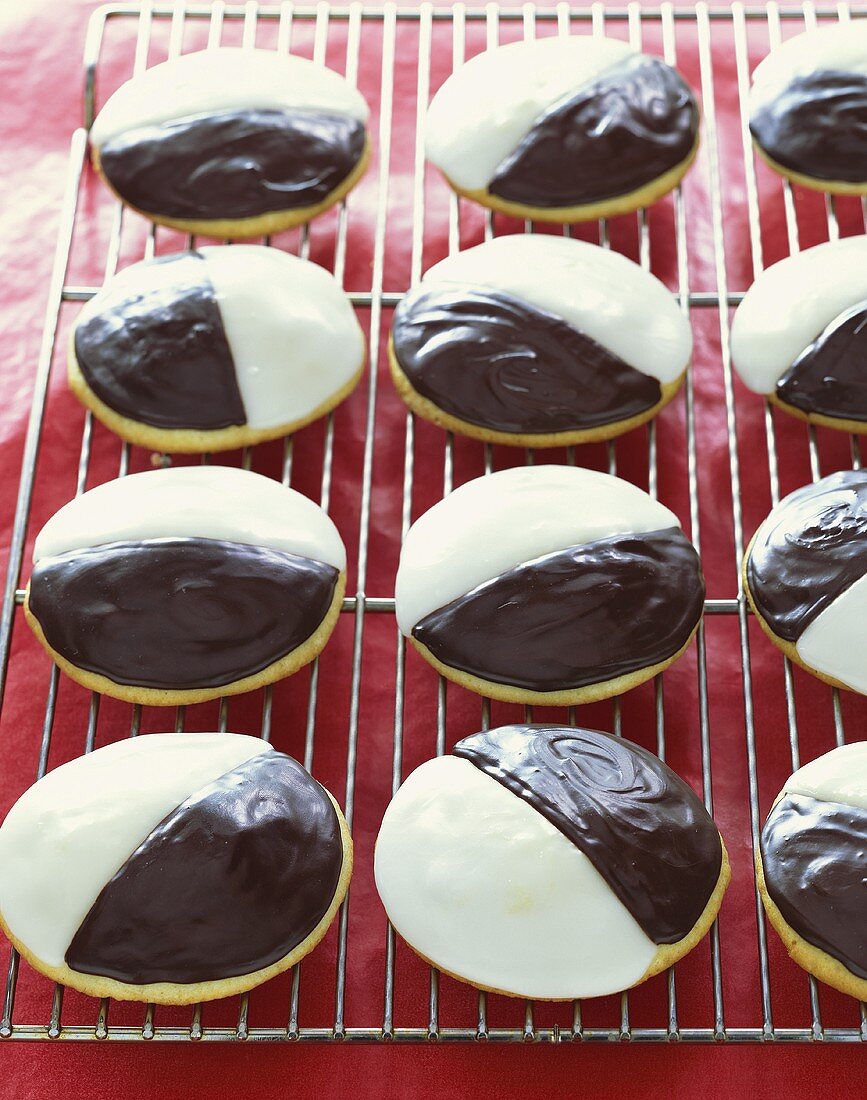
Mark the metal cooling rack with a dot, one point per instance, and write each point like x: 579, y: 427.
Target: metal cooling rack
x: 682, y: 30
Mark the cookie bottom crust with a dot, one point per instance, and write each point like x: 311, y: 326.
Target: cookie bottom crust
x: 832, y: 187
x: 260, y: 225
x: 167, y: 697
x: 838, y: 423
x: 171, y: 993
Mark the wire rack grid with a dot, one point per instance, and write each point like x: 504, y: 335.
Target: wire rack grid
x: 685, y: 36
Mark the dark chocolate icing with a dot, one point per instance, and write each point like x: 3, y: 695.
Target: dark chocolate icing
x: 624, y: 128
x: 178, y: 613
x: 161, y: 357
x: 579, y: 616
x: 233, y: 164
x: 493, y: 360
x: 643, y: 829
x: 230, y: 882
x: 830, y: 376
x: 810, y: 549
x: 814, y: 858
x: 817, y: 125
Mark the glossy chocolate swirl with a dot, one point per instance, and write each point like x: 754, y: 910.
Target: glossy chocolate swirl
x: 230, y: 882
x: 830, y: 376
x: 817, y: 125
x: 161, y: 357
x: 495, y: 361
x: 814, y: 859
x: 631, y: 124
x: 579, y: 616
x: 178, y: 613
x: 810, y: 549
x: 643, y: 829
x: 234, y: 164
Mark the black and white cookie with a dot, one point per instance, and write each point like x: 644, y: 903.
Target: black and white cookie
x: 549, y: 584
x: 183, y: 584
x: 563, y: 129
x: 172, y: 868
x: 232, y: 142
x: 549, y: 862
x: 811, y: 868
x: 215, y: 349
x: 808, y: 108
x: 538, y: 341
x: 799, y: 337
x: 805, y: 573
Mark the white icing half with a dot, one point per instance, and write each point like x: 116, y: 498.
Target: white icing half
x: 224, y: 79
x: 70, y: 833
x: 838, y: 776
x: 494, y: 523
x: 485, y: 887
x: 835, y: 642
x: 602, y: 293
x: 841, y: 47
x: 790, y: 304
x: 485, y: 108
x: 293, y: 334
x: 212, y: 502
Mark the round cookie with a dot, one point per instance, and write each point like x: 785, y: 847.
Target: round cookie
x: 538, y: 341
x: 810, y: 868
x: 184, y: 584
x: 215, y: 349
x: 549, y: 862
x: 563, y: 129
x: 805, y: 575
x: 172, y: 868
x: 548, y: 584
x: 232, y: 142
x: 808, y: 108
x: 799, y: 336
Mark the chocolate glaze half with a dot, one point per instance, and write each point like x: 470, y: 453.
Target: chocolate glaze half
x: 161, y: 356
x: 233, y: 164
x: 643, y: 829
x: 810, y: 549
x: 830, y: 376
x: 814, y: 859
x: 178, y: 613
x: 493, y: 360
x: 817, y: 125
x: 579, y: 616
x: 631, y: 124
x: 228, y: 883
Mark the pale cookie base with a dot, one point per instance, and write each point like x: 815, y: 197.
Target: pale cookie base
x: 788, y: 648
x: 159, y: 697
x: 590, y: 693
x: 832, y: 187
x: 262, y: 225
x: 667, y: 954
x: 812, y: 959
x: 191, y: 440
x: 428, y: 410
x: 170, y: 993
x: 853, y: 427
x: 586, y: 212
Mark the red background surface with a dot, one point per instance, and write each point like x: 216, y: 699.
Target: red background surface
x: 40, y: 55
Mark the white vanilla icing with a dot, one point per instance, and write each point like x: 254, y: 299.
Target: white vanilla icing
x: 838, y: 776
x: 835, y: 642
x: 212, y: 502
x: 485, y: 887
x: 70, y: 833
x: 485, y: 108
x: 224, y: 79
x: 494, y: 523
x: 839, y: 47
x: 600, y: 292
x: 791, y: 303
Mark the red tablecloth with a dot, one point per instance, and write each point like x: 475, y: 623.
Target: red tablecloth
x: 40, y: 52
